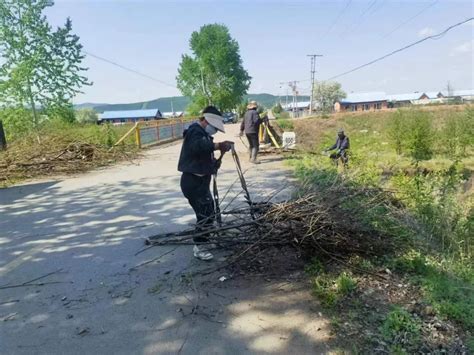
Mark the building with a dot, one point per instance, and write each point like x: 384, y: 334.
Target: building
x: 370, y: 101
x: 401, y: 100
x: 175, y: 114
x: 298, y: 109
x: 460, y: 95
x: 430, y: 97
x: 120, y: 117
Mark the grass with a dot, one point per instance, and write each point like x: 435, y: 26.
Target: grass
x: 432, y: 226
x: 401, y: 330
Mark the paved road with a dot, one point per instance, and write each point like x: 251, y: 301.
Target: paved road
x: 101, y: 298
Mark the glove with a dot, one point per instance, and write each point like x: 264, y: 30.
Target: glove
x: 225, y: 146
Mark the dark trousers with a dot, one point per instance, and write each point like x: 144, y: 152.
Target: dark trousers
x: 342, y: 154
x: 197, y: 190
x: 253, y: 140
x: 253, y: 145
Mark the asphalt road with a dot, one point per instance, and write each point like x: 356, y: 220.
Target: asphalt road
x: 69, y: 247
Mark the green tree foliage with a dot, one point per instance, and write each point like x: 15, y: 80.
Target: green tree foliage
x: 412, y: 131
x: 214, y: 73
x: 277, y: 109
x: 41, y: 67
x: 86, y: 115
x: 458, y: 133
x: 420, y: 135
x: 397, y: 131
x: 327, y: 93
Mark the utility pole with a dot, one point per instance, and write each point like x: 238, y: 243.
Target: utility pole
x: 293, y: 86
x: 313, y: 70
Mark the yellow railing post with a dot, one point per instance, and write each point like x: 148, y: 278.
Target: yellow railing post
x: 137, y: 136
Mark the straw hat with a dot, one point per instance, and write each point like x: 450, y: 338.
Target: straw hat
x: 252, y: 104
x: 214, y: 120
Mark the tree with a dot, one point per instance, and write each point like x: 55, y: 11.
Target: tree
x: 214, y: 73
x: 42, y: 66
x: 86, y: 115
x: 327, y: 93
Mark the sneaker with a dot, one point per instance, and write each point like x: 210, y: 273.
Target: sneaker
x: 202, y: 253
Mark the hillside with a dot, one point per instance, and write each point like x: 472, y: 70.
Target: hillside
x: 179, y: 103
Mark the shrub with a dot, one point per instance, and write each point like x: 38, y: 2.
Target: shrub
x: 285, y: 124
x: 86, y: 115
x: 420, y: 135
x: 397, y: 131
x: 457, y: 133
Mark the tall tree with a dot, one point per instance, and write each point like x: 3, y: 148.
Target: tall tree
x: 41, y: 66
x: 327, y: 93
x: 214, y: 73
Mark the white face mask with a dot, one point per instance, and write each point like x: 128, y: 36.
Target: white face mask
x: 211, y: 130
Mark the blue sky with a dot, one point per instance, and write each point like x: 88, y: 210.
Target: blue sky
x: 274, y: 37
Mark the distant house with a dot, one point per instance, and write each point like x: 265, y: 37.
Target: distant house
x: 118, y: 117
x: 400, y: 100
x: 460, y: 95
x: 370, y: 101
x: 299, y: 106
x: 173, y: 114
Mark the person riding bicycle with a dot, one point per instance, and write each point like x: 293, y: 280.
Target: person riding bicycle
x: 341, y: 145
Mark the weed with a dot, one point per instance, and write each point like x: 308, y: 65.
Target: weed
x: 285, y: 124
x: 314, y: 268
x: 345, y: 284
x: 401, y: 330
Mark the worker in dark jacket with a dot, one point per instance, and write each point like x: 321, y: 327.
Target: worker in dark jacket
x: 197, y: 163
x: 250, y: 126
x: 341, y: 145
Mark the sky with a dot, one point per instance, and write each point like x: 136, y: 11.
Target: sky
x: 275, y: 38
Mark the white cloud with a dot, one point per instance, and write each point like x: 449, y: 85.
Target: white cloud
x: 425, y: 32
x: 463, y: 48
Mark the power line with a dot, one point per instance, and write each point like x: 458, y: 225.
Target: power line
x: 129, y: 69
x: 337, y: 18
x: 410, y: 19
x: 437, y: 36
x: 354, y: 26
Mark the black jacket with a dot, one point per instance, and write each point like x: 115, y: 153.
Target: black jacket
x: 251, y: 122
x: 341, y: 144
x: 197, y: 152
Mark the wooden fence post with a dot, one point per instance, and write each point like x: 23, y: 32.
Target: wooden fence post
x: 3, y: 139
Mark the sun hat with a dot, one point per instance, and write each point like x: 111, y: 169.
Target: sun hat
x: 213, y: 116
x: 252, y: 104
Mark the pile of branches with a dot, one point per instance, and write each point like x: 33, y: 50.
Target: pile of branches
x: 58, y: 157
x: 313, y: 225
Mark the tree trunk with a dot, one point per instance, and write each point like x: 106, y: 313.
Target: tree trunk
x: 3, y: 140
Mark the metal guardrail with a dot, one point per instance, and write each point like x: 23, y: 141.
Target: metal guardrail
x: 155, y: 134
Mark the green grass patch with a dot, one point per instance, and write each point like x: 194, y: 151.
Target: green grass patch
x: 401, y: 330
x: 285, y: 124
x: 331, y: 288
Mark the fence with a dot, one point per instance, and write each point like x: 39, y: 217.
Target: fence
x: 151, y: 135
x: 148, y: 134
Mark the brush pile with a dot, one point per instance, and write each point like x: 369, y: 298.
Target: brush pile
x: 313, y: 225
x: 60, y: 156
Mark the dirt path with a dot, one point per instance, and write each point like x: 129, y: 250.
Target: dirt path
x: 102, y: 298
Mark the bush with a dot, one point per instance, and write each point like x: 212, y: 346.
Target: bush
x: 86, y: 115
x: 285, y: 124
x: 411, y: 130
x: 457, y: 133
x: 397, y: 131
x: 420, y: 135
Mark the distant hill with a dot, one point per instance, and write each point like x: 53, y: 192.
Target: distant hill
x: 179, y: 103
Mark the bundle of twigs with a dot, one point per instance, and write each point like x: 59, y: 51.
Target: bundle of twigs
x: 314, y: 224
x: 63, y: 157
